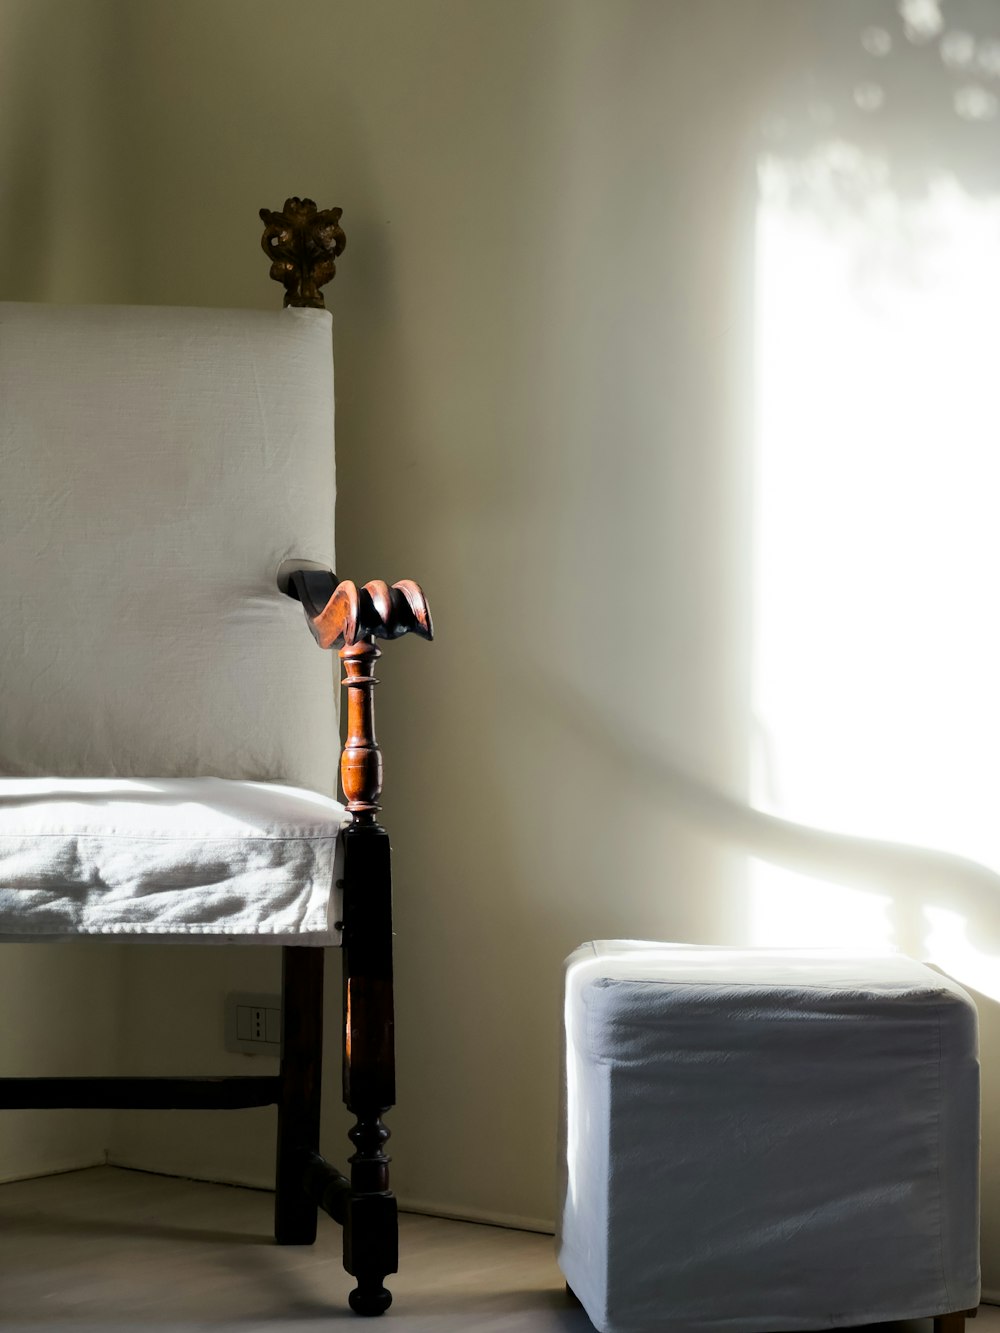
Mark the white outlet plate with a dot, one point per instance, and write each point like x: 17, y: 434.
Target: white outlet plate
x: 253, y: 1023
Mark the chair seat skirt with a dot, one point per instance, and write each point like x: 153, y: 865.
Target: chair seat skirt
x: 187, y: 859
x: 765, y: 1140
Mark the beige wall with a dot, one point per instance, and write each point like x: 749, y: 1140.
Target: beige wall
x: 60, y: 1004
x: 543, y: 333
x: 537, y: 356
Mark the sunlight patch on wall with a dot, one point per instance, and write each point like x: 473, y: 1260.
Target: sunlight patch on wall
x: 877, y: 653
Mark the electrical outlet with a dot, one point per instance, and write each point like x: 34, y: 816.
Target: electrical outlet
x: 253, y: 1024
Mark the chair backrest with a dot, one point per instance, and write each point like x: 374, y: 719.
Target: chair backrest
x: 157, y: 467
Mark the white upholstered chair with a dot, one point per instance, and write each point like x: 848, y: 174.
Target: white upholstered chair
x: 168, y: 734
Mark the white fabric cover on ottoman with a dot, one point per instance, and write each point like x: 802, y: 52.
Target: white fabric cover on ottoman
x: 761, y: 1140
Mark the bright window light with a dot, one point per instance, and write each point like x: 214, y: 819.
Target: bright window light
x: 877, y: 652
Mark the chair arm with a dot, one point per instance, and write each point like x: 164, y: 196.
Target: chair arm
x: 341, y: 615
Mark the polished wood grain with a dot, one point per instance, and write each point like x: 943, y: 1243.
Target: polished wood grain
x: 303, y: 243
x: 374, y: 611
x: 361, y: 758
x: 342, y: 615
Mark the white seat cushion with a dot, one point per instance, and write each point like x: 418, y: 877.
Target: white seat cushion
x: 181, y: 858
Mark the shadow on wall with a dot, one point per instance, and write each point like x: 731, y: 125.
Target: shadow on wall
x: 913, y: 83
x: 913, y: 879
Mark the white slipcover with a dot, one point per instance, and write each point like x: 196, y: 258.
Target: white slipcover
x: 176, y: 858
x: 157, y: 467
x: 766, y: 1139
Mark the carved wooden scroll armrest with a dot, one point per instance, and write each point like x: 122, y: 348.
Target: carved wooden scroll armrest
x: 344, y: 616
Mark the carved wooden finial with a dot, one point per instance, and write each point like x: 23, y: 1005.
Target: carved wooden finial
x: 352, y: 619
x: 303, y: 244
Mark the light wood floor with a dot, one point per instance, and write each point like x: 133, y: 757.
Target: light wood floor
x: 113, y: 1250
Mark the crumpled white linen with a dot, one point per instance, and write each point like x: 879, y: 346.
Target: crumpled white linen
x: 766, y: 1139
x: 172, y: 858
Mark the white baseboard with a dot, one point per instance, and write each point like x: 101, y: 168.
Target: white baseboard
x: 407, y: 1203
x: 58, y: 1168
x: 484, y: 1216
x: 123, y: 1162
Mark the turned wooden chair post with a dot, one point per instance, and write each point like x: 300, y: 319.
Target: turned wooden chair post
x: 342, y: 615
x: 369, y: 1076
x: 303, y: 244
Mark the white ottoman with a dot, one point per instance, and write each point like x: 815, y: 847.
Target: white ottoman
x: 765, y: 1140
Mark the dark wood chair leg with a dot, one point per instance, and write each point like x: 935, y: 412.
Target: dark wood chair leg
x: 299, y: 1097
x: 371, y: 1226
x: 953, y: 1323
